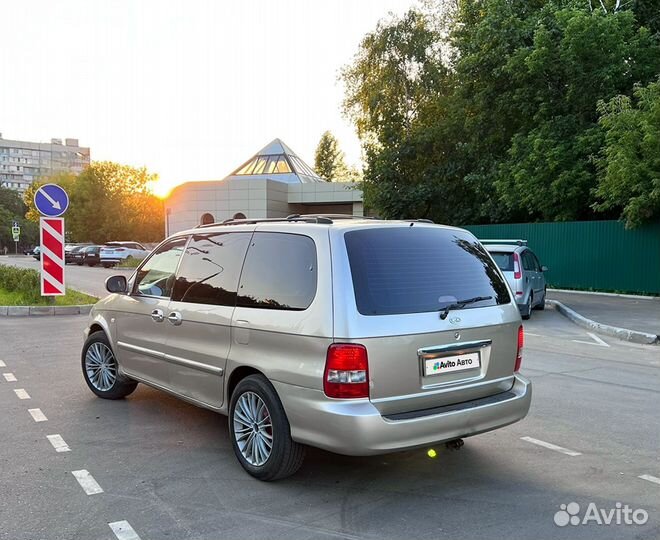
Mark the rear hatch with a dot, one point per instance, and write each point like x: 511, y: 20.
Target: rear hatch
x: 434, y: 313
x: 507, y: 263
x: 113, y: 252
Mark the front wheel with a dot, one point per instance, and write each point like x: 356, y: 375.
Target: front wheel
x: 101, y: 371
x: 260, y: 431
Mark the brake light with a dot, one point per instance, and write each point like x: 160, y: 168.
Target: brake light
x: 120, y: 249
x: 346, y: 372
x: 517, y: 274
x: 521, y: 341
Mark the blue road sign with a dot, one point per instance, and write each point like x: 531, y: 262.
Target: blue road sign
x: 51, y: 200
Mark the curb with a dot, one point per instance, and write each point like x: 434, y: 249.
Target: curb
x: 613, y: 331
x: 40, y: 311
x: 596, y: 293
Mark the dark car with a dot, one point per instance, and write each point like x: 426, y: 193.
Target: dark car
x: 76, y: 254
x: 36, y: 253
x: 91, y: 255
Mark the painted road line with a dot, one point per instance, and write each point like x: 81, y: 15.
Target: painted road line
x: 650, y: 478
x: 21, y: 393
x: 123, y: 530
x: 551, y: 446
x: 2, y: 364
x: 58, y: 443
x: 87, y: 482
x: 9, y: 377
x: 597, y: 340
x: 37, y: 415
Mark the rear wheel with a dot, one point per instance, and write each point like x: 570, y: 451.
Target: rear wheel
x: 101, y: 371
x: 526, y: 310
x: 260, y: 431
x: 541, y: 304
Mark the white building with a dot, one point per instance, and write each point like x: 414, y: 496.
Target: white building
x: 275, y: 182
x: 23, y: 162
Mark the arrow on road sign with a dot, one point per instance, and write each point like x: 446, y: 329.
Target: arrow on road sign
x: 56, y: 204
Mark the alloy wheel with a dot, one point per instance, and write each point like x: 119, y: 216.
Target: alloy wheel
x: 253, y: 429
x: 101, y: 366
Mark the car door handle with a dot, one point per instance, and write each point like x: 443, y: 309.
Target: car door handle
x: 158, y: 315
x: 175, y: 318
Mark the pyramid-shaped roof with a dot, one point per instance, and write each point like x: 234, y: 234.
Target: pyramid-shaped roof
x: 276, y: 161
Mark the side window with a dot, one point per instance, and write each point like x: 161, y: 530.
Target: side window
x: 528, y: 263
x: 537, y: 264
x: 210, y: 269
x: 156, y: 276
x: 279, y: 272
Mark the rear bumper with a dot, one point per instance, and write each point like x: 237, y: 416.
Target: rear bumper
x: 357, y: 428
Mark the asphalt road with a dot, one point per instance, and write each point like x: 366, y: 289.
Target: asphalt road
x: 167, y: 468
x: 81, y: 278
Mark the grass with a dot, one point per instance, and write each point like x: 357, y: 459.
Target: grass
x: 130, y: 262
x: 71, y: 298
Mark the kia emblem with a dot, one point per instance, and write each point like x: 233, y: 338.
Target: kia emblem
x: 455, y: 320
x: 457, y: 335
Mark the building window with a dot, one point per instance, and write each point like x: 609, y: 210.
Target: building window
x: 207, y: 219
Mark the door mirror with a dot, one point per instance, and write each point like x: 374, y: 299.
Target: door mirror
x: 544, y: 268
x: 116, y: 284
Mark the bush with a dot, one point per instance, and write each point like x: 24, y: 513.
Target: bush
x: 21, y: 280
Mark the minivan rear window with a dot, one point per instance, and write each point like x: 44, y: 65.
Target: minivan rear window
x: 410, y: 269
x: 503, y: 260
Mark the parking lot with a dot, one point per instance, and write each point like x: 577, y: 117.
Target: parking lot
x: 156, y: 467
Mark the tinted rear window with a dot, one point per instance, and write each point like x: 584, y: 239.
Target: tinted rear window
x: 420, y: 269
x: 503, y: 260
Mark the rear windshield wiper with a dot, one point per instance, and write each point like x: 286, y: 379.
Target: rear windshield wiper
x: 461, y: 304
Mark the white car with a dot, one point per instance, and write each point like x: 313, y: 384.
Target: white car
x: 113, y: 253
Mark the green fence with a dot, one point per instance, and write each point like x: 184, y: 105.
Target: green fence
x: 598, y: 255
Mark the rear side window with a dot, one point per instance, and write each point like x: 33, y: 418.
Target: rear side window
x: 420, y: 269
x: 279, y: 272
x: 503, y: 260
x: 210, y: 269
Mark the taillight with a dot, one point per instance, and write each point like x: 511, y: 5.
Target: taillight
x: 521, y: 341
x: 120, y: 249
x: 517, y: 274
x: 346, y: 371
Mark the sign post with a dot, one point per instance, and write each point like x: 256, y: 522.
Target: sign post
x: 16, y: 234
x: 52, y: 201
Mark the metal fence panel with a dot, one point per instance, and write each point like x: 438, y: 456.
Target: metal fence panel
x: 598, y: 255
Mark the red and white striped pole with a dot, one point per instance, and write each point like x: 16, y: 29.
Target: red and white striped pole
x: 52, y: 256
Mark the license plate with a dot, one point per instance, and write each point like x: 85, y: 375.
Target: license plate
x: 449, y: 364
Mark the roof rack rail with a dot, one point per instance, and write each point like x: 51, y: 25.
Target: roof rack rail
x: 330, y: 216
x: 419, y: 220
x: 292, y: 219
x: 518, y: 242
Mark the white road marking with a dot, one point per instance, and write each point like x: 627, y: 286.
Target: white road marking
x: 551, y: 446
x: 9, y: 377
x: 58, y: 443
x: 650, y: 478
x: 123, y: 530
x: 37, y: 415
x: 598, y: 341
x: 87, y: 482
x: 22, y: 394
x: 2, y: 364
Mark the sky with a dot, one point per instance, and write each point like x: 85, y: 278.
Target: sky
x: 189, y: 89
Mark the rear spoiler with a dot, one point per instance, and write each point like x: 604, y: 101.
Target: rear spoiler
x: 500, y: 241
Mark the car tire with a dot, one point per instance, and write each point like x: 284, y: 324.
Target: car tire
x: 79, y: 263
x: 91, y: 264
x: 101, y: 371
x: 256, y: 416
x: 106, y: 265
x: 541, y: 304
x: 526, y: 311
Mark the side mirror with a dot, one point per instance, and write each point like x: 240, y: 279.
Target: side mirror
x: 544, y: 268
x: 116, y: 284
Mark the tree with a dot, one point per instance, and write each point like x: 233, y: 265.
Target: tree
x: 328, y: 158
x: 329, y: 161
x: 630, y: 160
x: 12, y: 209
x: 109, y: 201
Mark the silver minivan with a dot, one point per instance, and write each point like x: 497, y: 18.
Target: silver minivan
x: 357, y: 336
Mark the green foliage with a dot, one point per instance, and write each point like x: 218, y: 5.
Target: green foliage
x: 630, y: 159
x: 490, y: 114
x: 12, y: 209
x: 329, y: 161
x: 21, y: 287
x: 109, y: 201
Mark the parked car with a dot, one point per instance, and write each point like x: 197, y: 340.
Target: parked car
x: 36, y: 253
x: 91, y: 255
x: 76, y: 255
x: 29, y: 251
x: 523, y: 272
x: 113, y: 253
x: 360, y: 337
